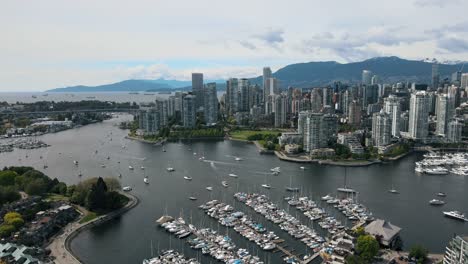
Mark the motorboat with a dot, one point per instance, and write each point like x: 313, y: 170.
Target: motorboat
x: 170, y: 169
x: 142, y: 167
x: 302, y: 168
x: 441, y: 194
x: 126, y: 188
x: 232, y: 175
x: 103, y: 166
x: 275, y: 169
x: 437, y: 171
x: 130, y: 167
x: 187, y: 178
x: 225, y: 184
x: 292, y: 189
x: 346, y: 190
x: 209, y: 188
x: 192, y: 198
x: 436, y: 202
x: 75, y: 162
x: 266, y: 186
x: 327, y: 197
x: 145, y: 180
x: 393, y: 191
x: 238, y: 159
x: 456, y: 215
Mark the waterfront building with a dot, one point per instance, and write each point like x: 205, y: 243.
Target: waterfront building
x: 366, y: 77
x: 443, y: 114
x: 392, y: 107
x: 266, y: 76
x: 354, y: 114
x: 317, y: 129
x: 418, y: 115
x: 381, y: 129
x: 454, y: 130
x: 149, y: 120
x: 386, y: 232
x: 189, y: 111
x: 301, y: 121
x: 162, y: 109
x: 351, y: 141
x: 211, y: 104
x: 456, y: 251
x: 197, y: 90
x: 404, y: 121
x: 243, y: 98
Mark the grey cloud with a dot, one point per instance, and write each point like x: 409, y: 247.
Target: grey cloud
x: 436, y: 3
x: 452, y: 44
x: 247, y: 45
x: 271, y: 37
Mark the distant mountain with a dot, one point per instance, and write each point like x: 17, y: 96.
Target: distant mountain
x: 390, y: 69
x: 309, y: 74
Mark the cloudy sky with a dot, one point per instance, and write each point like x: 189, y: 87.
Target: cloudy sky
x: 55, y: 43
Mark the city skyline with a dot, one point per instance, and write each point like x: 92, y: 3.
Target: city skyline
x: 53, y: 44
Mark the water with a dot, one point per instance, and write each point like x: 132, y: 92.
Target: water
x: 128, y: 238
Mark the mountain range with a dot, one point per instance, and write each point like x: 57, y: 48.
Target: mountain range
x: 309, y: 74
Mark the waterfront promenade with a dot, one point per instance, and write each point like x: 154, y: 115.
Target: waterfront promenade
x: 60, y: 245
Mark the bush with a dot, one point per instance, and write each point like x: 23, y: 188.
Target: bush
x: 16, y: 222
x: 7, y: 177
x: 367, y: 247
x: 36, y: 187
x: 419, y: 253
x: 6, y: 230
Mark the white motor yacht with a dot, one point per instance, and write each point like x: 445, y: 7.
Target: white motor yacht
x: 170, y: 169
x: 238, y: 159
x: 436, y: 202
x: 145, y: 180
x: 327, y: 197
x: 209, y: 188
x: 126, y: 188
x: 393, y: 191
x: 225, y: 184
x: 187, y: 178
x: 232, y: 175
x: 266, y: 186
x: 130, y: 167
x: 456, y: 215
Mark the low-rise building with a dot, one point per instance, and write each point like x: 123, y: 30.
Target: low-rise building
x: 456, y: 251
x: 291, y: 148
x: 322, y: 152
x: 20, y: 254
x: 385, y: 232
x: 290, y: 138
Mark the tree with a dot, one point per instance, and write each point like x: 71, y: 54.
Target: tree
x: 7, y: 177
x: 359, y: 231
x: 419, y: 253
x: 6, y: 230
x: 113, y: 200
x: 10, y: 216
x: 367, y: 247
x: 96, y: 198
x: 36, y: 187
x: 112, y: 183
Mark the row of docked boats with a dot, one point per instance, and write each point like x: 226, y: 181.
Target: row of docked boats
x: 170, y: 257
x: 242, y: 224
x: 443, y: 163
x: 219, y: 247
x: 262, y: 205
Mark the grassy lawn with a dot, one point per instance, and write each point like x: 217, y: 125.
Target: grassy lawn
x: 244, y: 134
x: 53, y: 197
x: 90, y: 216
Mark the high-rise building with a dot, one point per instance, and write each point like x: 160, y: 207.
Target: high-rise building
x: 317, y: 129
x: 381, y: 129
x: 189, y: 111
x: 418, y: 115
x: 454, y: 130
x: 456, y: 251
x: 327, y: 94
x: 197, y: 89
x: 354, y: 113
x: 366, y: 77
x: 435, y: 76
x: 296, y: 101
x: 392, y: 107
x: 464, y: 81
x: 280, y: 105
x: 211, y: 103
x: 347, y: 98
x: 316, y: 100
x: 162, y: 108
x: 375, y: 80
x: 266, y: 76
x: 255, y: 95
x: 301, y: 121
x: 231, y: 99
x: 149, y: 120
x: 243, y: 98
x: 456, y: 77
x: 442, y: 114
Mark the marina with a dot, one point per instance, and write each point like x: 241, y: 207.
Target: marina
x: 443, y: 163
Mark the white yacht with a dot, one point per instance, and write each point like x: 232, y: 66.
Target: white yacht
x: 126, y: 188
x: 187, y: 178
x: 456, y: 215
x: 170, y: 169
x: 276, y: 169
x: 437, y: 171
x: 225, y: 184
x: 441, y: 194
x: 302, y: 168
x: 238, y: 159
x: 327, y: 197
x: 75, y: 162
x: 142, y: 167
x: 393, y: 191
x: 232, y: 175
x: 436, y: 202
x: 209, y: 188
x: 130, y: 167
x: 346, y: 190
x: 145, y: 180
x: 192, y: 198
x: 266, y: 186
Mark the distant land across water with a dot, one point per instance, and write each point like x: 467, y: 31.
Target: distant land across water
x: 301, y: 75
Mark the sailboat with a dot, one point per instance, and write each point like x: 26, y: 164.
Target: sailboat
x: 266, y: 185
x: 290, y: 188
x: 393, y: 190
x: 345, y: 188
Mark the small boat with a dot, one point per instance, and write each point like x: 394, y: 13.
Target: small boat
x: 441, y: 194
x: 327, y: 197
x: 456, y: 215
x: 209, y: 188
x: 170, y: 169
x: 164, y: 150
x: 266, y: 186
x: 393, y: 191
x: 275, y: 169
x: 75, y: 162
x: 130, y: 167
x: 225, y: 184
x: 103, y: 166
x: 108, y: 157
x: 346, y: 190
x: 145, y: 180
x: 436, y: 202
x: 126, y: 188
x: 238, y: 159
x: 142, y: 167
x: 302, y: 168
x: 192, y: 198
x: 187, y: 178
x: 232, y: 175
x: 120, y: 175
x: 292, y: 189
x: 80, y: 174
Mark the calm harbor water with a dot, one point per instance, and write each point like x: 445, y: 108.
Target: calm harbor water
x: 128, y: 238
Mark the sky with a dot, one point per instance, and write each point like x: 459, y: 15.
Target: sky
x: 55, y: 43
